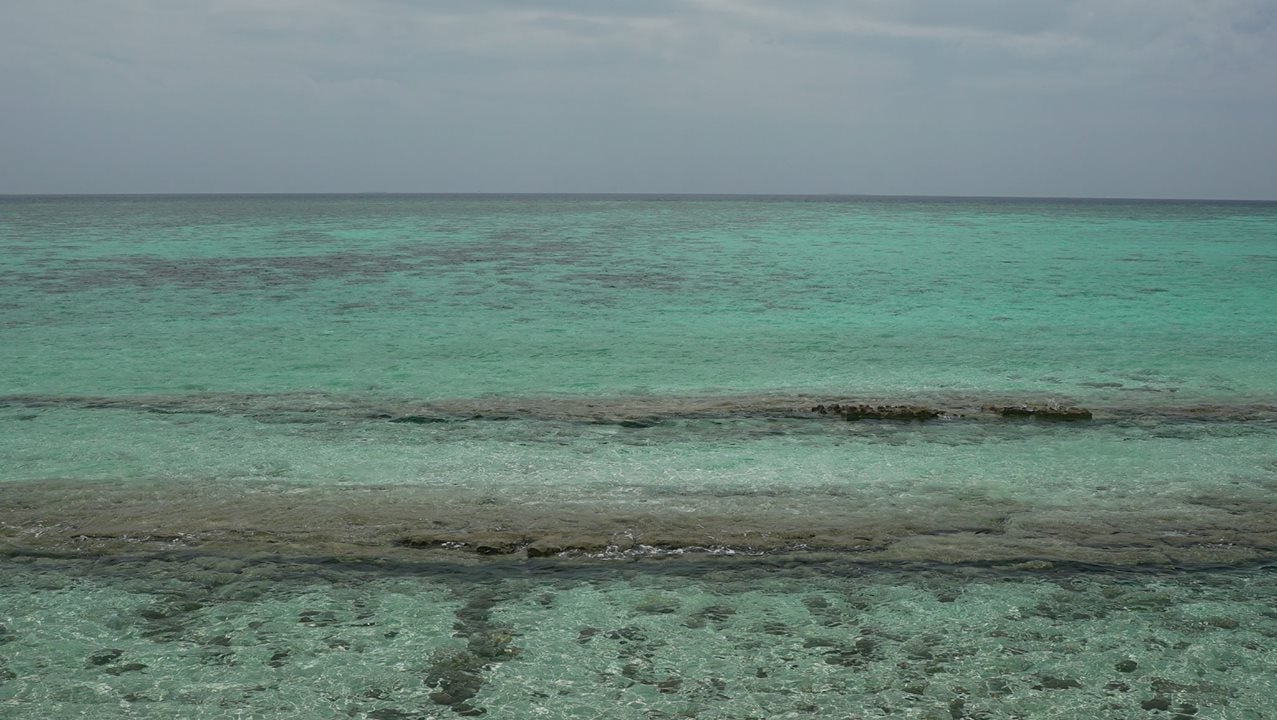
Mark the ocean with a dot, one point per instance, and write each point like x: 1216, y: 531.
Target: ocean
x: 436, y: 456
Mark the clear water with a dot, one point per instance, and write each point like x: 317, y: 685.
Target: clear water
x: 416, y: 457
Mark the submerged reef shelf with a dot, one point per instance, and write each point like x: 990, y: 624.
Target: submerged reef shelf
x: 881, y: 479
x: 171, y: 635
x: 101, y: 518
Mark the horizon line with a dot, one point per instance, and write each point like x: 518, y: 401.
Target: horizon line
x: 704, y: 195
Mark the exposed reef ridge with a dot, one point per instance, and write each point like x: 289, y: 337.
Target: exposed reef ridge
x: 1045, y: 411
x: 1042, y: 412
x: 906, y: 412
x: 878, y: 412
x: 641, y: 411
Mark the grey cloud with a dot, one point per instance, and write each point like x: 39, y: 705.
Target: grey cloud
x: 1079, y: 97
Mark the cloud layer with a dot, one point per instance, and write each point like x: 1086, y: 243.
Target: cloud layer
x: 1161, y: 98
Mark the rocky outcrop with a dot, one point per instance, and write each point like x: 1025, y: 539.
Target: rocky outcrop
x: 1042, y: 412
x: 878, y: 412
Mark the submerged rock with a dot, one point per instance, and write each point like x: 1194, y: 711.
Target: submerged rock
x: 492, y: 645
x: 277, y: 660
x: 657, y: 605
x: 669, y: 685
x: 104, y: 657
x: 455, y: 675
x: 1052, y: 682
x: 715, y: 613
x: 629, y: 632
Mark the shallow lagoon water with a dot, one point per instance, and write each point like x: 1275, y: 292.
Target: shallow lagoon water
x: 194, y: 635
x: 397, y: 457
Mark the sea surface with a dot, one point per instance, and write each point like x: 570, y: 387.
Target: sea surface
x: 392, y: 457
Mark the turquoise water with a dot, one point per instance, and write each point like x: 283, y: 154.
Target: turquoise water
x: 437, y: 456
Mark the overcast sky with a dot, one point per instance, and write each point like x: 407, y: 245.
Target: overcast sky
x: 1099, y: 98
